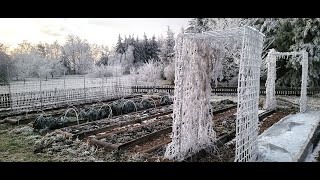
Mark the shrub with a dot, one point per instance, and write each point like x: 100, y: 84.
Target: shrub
x: 106, y: 71
x: 150, y: 71
x: 169, y: 72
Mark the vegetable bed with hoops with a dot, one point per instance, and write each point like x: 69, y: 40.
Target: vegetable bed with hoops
x: 50, y: 120
x: 29, y: 116
x: 53, y: 108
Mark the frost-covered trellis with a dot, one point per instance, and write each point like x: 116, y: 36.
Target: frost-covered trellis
x: 272, y: 57
x: 197, y: 61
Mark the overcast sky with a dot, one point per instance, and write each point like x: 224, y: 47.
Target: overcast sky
x: 96, y: 30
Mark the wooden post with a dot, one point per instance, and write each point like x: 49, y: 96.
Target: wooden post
x: 10, y: 97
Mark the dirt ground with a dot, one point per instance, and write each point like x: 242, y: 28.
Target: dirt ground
x: 22, y: 144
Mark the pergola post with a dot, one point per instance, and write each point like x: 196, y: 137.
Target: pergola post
x: 304, y: 82
x: 271, y: 102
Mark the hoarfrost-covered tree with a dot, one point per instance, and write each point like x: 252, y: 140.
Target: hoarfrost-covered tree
x: 167, y: 51
x: 306, y: 36
x: 128, y: 58
x: 292, y: 34
x: 154, y: 49
x: 198, y: 25
x: 104, y: 58
x: 120, y: 46
x: 78, y: 53
x: 25, y: 60
x: 6, y: 64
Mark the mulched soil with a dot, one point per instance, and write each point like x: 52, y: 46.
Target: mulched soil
x: 164, y: 138
x: 225, y: 153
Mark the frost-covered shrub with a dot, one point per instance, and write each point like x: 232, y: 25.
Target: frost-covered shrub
x: 150, y: 71
x: 169, y: 72
x: 100, y: 71
x: 116, y: 70
x: 106, y: 71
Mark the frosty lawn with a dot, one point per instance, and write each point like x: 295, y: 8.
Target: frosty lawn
x: 287, y: 140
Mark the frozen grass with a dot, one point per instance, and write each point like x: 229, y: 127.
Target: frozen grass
x: 16, y: 145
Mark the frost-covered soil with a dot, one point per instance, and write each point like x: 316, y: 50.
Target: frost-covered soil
x: 21, y: 143
x: 134, y: 133
x: 216, y: 98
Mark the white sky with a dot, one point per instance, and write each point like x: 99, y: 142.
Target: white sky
x: 96, y: 30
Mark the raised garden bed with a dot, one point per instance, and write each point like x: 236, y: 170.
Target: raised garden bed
x: 128, y: 137
x: 87, y: 129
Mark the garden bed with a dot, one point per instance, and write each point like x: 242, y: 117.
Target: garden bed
x: 132, y: 136
x: 62, y: 106
x: 96, y: 127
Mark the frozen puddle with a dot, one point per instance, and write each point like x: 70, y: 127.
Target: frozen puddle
x: 287, y: 140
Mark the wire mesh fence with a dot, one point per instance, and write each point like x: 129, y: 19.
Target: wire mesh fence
x: 41, y: 93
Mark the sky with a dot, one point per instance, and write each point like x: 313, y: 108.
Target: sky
x: 103, y: 31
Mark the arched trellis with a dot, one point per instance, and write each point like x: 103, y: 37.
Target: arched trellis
x: 271, y: 59
x: 196, y: 57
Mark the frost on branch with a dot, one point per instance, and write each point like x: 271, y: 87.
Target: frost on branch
x: 192, y: 123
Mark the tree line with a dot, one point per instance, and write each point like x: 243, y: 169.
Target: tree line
x: 78, y: 56
x: 282, y: 34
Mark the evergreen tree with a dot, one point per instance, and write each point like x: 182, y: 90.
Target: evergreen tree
x: 155, y: 49
x: 167, y: 53
x: 146, y: 54
x: 198, y: 25
x: 120, y: 48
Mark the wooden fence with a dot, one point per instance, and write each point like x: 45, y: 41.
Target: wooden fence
x: 226, y: 90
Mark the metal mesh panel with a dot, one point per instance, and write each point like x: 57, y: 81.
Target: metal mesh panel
x: 248, y: 96
x: 192, y: 124
x: 5, y: 97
